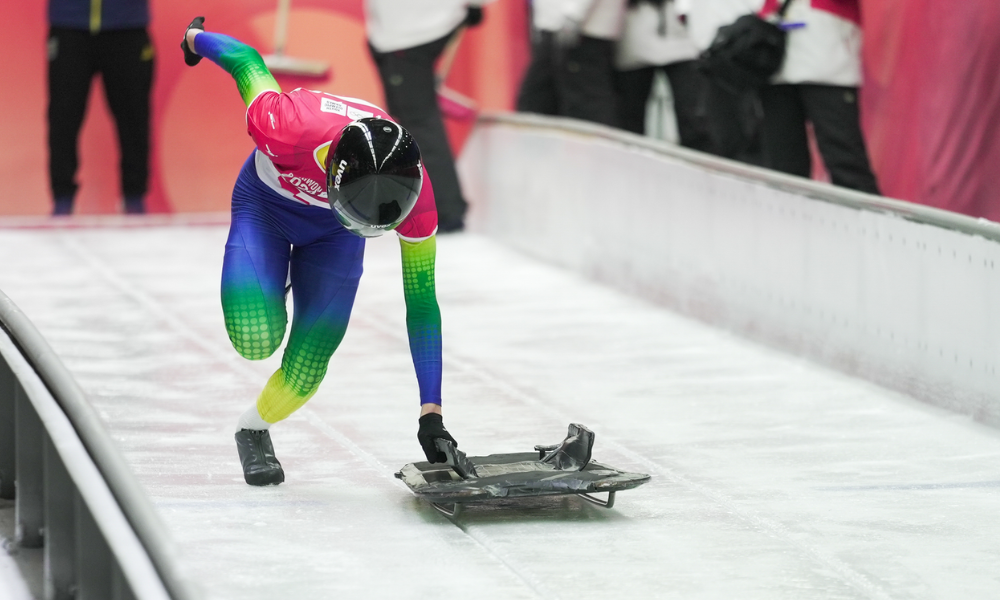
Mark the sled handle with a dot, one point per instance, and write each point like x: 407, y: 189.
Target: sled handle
x: 456, y: 459
x: 544, y: 449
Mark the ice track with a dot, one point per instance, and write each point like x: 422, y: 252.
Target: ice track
x: 772, y: 478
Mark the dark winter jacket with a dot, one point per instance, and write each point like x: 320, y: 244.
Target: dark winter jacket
x: 99, y: 15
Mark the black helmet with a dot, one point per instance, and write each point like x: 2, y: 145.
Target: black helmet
x: 373, y: 176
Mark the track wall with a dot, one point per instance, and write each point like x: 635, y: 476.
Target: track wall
x: 890, y: 291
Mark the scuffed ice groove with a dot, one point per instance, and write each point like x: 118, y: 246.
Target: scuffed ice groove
x: 525, y: 575
x: 764, y: 524
x: 217, y: 351
x: 768, y: 526
x: 773, y: 478
x: 385, y: 472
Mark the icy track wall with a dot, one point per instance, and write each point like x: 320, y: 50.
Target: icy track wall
x: 900, y: 294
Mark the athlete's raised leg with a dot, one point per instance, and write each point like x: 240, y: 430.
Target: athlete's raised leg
x: 254, y: 272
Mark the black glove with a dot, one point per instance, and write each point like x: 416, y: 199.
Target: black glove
x: 190, y: 58
x: 432, y: 428
x: 473, y: 16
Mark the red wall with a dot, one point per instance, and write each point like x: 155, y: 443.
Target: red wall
x: 931, y: 102
x: 199, y: 133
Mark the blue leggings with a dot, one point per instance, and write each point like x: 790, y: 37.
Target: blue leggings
x: 271, y: 238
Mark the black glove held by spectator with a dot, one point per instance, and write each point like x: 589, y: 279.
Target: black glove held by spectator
x: 432, y: 428
x: 190, y: 58
x: 473, y: 16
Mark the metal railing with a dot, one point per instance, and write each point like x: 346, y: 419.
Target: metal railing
x: 74, y: 494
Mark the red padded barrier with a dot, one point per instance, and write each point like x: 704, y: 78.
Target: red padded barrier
x: 931, y: 101
x: 199, y: 136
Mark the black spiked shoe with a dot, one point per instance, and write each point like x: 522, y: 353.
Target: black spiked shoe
x: 260, y: 467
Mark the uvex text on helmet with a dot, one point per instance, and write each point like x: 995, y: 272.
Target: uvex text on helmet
x: 373, y: 176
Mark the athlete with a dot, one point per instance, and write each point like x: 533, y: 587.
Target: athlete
x: 327, y: 172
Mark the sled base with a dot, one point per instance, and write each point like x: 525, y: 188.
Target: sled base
x: 556, y: 470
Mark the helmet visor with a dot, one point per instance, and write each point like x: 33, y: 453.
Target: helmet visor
x: 374, y: 204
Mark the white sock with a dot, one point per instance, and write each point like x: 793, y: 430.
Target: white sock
x: 251, y: 420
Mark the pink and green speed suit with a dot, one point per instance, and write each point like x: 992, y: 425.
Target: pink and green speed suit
x: 282, y: 226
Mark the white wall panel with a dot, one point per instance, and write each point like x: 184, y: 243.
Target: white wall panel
x: 900, y: 294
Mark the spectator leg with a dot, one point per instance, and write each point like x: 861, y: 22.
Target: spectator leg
x: 688, y: 87
x: 537, y: 93
x: 410, y: 92
x: 125, y: 59
x: 633, y: 88
x: 783, y: 131
x: 71, y: 69
x: 585, y: 82
x: 833, y: 111
x: 734, y: 130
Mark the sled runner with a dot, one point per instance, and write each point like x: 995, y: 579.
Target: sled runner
x: 559, y: 469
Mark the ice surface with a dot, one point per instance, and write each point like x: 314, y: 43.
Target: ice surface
x: 12, y: 584
x: 20, y: 568
x: 772, y: 478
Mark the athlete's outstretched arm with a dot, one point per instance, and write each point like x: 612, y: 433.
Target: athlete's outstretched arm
x: 423, y: 324
x: 423, y: 318
x: 238, y: 59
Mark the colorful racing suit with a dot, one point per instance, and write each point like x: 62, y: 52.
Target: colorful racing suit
x: 282, y: 227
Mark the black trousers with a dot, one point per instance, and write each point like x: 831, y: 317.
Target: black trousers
x: 124, y: 59
x: 833, y: 112
x: 687, y: 85
x: 410, y: 92
x: 575, y: 82
x: 734, y: 123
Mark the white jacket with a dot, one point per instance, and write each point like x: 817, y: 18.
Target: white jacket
x: 643, y: 45
x: 827, y: 50
x: 601, y: 19
x: 398, y: 24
